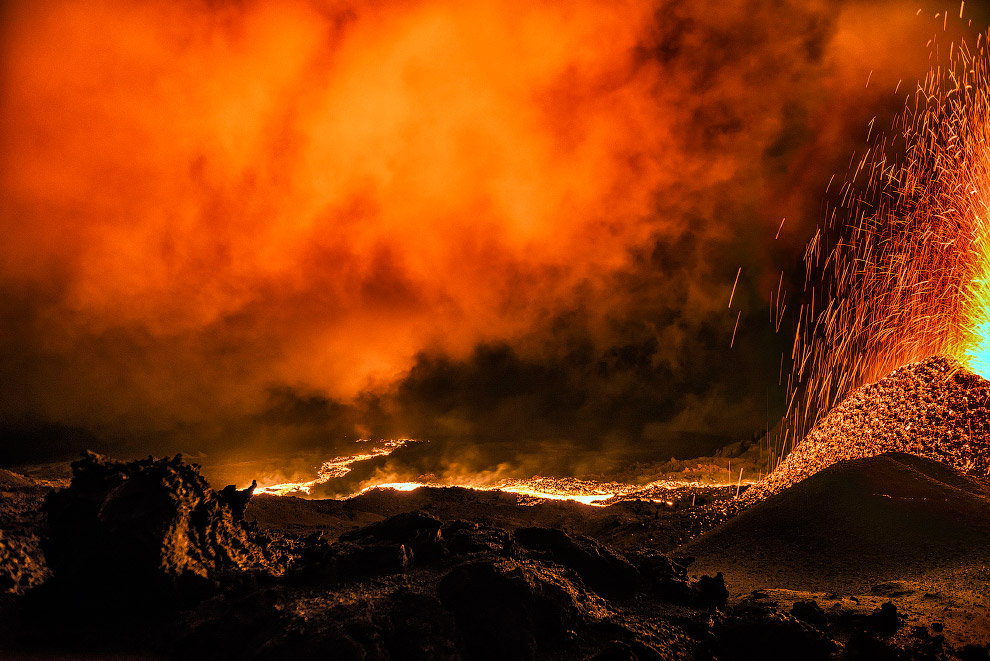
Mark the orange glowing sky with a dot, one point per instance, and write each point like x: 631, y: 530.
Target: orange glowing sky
x: 385, y: 181
x: 202, y: 200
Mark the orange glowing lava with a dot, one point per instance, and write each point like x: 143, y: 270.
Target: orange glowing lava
x: 587, y: 492
x: 536, y: 489
x: 533, y: 490
x: 337, y: 467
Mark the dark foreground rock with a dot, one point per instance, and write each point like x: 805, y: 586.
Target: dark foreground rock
x: 507, y: 609
x: 22, y: 564
x: 145, y: 533
x: 19, y: 568
x: 759, y: 631
x: 148, y: 561
x: 598, y: 566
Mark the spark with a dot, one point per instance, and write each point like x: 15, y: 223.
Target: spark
x: 734, y: 285
x: 907, y: 258
x: 778, y: 233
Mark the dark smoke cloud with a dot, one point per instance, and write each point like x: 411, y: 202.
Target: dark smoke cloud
x: 222, y: 239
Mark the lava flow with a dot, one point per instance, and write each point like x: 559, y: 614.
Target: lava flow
x: 336, y: 467
x: 534, y: 489
x: 588, y: 492
x: 530, y: 490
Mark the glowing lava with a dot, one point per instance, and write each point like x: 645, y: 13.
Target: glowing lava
x: 588, y: 492
x: 397, y: 486
x: 336, y: 467
x: 530, y: 491
x: 974, y: 352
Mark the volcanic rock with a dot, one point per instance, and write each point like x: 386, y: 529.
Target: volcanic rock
x: 663, y: 578
x: 11, y: 481
x: 601, y: 569
x: 355, y: 561
x: 617, y: 650
x: 753, y: 631
x: 466, y: 537
x: 884, y: 620
x: 417, y: 531
x: 865, y: 646
x: 227, y: 627
x: 146, y: 530
x: 420, y: 628
x: 21, y: 561
x: 237, y: 500
x: 504, y: 608
x: 18, y: 566
x: 810, y: 612
x: 711, y: 591
x: 418, y: 585
x: 973, y: 652
x: 935, y: 409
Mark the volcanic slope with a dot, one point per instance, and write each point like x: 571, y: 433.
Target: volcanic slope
x: 894, y: 525
x: 934, y: 408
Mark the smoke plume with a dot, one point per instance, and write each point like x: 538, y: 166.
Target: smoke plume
x: 248, y: 229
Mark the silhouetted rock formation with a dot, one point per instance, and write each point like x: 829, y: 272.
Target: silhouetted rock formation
x: 759, y: 631
x: 236, y: 500
x: 418, y: 534
x: 147, y: 530
x: 505, y: 608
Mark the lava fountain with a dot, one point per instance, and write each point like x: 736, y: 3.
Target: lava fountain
x: 906, y: 269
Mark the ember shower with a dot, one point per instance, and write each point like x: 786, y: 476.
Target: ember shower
x: 269, y: 229
x: 905, y: 266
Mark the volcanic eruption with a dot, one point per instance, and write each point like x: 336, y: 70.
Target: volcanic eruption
x: 446, y: 285
x: 905, y: 278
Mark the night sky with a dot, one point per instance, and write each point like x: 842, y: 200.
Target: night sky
x: 260, y: 231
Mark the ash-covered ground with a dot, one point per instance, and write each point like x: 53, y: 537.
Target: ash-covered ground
x: 873, y: 555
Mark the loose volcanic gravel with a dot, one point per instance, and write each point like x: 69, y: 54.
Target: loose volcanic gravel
x: 935, y: 408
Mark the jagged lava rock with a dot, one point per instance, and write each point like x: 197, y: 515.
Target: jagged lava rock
x: 754, y: 631
x: 505, y: 608
x: 599, y: 567
x: 21, y: 563
x: 18, y: 567
x: 149, y: 529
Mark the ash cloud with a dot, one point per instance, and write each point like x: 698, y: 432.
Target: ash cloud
x: 251, y: 232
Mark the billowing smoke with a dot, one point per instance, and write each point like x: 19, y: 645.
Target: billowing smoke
x: 252, y: 229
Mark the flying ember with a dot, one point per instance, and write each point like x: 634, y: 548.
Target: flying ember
x: 906, y: 271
